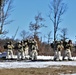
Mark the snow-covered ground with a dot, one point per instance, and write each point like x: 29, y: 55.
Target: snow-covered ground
x: 30, y: 64
x: 35, y: 64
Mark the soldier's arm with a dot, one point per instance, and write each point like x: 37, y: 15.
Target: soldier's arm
x: 58, y: 48
x: 12, y: 46
x: 71, y: 45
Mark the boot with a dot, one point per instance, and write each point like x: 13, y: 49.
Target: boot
x: 70, y: 59
x: 54, y: 59
x: 63, y: 59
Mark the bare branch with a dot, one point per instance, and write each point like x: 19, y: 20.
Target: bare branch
x: 37, y: 25
x: 57, y: 9
x: 64, y: 33
x: 5, y: 10
x: 51, y: 18
x: 24, y: 34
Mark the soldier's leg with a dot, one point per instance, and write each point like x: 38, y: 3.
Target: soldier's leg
x: 26, y: 52
x: 31, y: 54
x: 58, y: 55
x: 18, y: 55
x: 64, y: 54
x: 36, y: 54
x: 69, y: 55
x: 22, y: 55
x: 55, y: 55
x: 11, y: 52
x: 7, y: 54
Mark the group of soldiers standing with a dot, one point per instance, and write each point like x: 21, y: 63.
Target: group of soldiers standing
x: 24, y: 48
x: 30, y: 47
x: 64, y: 46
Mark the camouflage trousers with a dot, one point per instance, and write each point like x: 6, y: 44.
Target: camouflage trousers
x: 57, y: 55
x: 9, y: 53
x: 33, y: 55
x: 67, y: 53
x: 26, y: 51
x: 20, y: 54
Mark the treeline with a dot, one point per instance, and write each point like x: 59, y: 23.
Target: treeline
x: 44, y: 48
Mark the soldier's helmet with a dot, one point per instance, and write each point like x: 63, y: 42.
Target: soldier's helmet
x: 58, y: 42
x: 70, y: 41
x: 8, y: 43
x: 33, y: 40
x: 27, y: 40
x: 52, y: 45
x: 25, y: 43
x: 19, y: 42
x: 61, y: 42
x: 30, y: 40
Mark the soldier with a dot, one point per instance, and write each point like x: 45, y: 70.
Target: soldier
x: 67, y: 51
x: 34, y: 48
x: 55, y: 49
x: 25, y: 47
x: 10, y: 50
x: 60, y: 47
x: 20, y: 53
x: 29, y: 45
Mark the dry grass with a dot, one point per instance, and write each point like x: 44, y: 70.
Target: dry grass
x: 53, y: 70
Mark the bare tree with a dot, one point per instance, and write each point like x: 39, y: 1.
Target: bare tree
x: 49, y: 37
x: 0, y: 3
x: 57, y: 9
x: 64, y: 33
x: 37, y: 25
x: 5, y: 9
x: 24, y: 34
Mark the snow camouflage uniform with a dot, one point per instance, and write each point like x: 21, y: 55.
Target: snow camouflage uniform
x: 55, y: 52
x: 67, y: 51
x: 30, y: 45
x: 25, y: 48
x: 10, y: 50
x: 20, y: 52
x: 34, y: 48
x: 60, y: 47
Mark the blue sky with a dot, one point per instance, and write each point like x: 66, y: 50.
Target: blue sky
x: 25, y: 11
